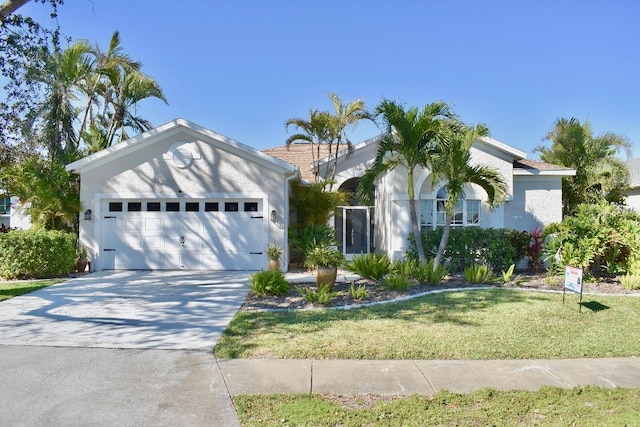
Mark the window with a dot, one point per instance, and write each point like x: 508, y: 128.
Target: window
x: 5, y: 206
x: 231, y: 207
x: 251, y: 207
x: 211, y: 207
x: 134, y: 207
x: 115, y: 207
x: 192, y: 207
x: 172, y: 207
x: 432, y: 212
x: 153, y: 207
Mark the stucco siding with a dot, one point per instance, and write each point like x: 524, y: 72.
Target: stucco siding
x: 633, y: 199
x: 537, y: 202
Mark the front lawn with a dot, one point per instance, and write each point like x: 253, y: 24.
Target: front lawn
x: 588, y: 406
x: 13, y: 289
x: 480, y: 324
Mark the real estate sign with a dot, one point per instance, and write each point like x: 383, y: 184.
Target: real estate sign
x: 573, y: 282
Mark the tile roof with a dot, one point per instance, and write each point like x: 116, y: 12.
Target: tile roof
x: 300, y: 155
x: 537, y: 165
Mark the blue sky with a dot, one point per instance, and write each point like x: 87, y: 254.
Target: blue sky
x: 241, y: 68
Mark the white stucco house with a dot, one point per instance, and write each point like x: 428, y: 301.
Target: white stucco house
x: 184, y: 197
x: 633, y: 195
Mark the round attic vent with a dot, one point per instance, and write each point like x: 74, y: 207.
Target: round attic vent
x: 181, y: 154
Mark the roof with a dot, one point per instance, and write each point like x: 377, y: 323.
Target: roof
x: 145, y: 139
x: 634, y: 172
x: 300, y: 155
x: 537, y: 167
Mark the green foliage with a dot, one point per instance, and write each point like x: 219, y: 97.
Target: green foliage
x: 598, y: 238
x: 307, y: 238
x: 403, y: 267
x: 274, y: 252
x: 324, y: 295
x: 269, y: 282
x: 397, y: 282
x: 313, y: 205
x: 358, y: 293
x: 495, y: 247
x: 370, y: 266
x: 36, y: 254
x: 630, y: 281
x: 324, y: 256
x: 478, y: 273
x: 435, y: 275
x: 507, y: 275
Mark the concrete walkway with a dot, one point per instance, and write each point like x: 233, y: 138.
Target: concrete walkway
x: 403, y: 377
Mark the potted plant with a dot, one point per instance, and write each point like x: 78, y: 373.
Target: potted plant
x: 326, y: 260
x: 81, y: 260
x: 274, y: 252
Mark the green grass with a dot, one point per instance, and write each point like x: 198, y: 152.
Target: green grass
x: 13, y: 289
x: 481, y: 324
x: 588, y: 406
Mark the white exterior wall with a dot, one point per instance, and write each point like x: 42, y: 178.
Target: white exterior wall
x: 17, y: 216
x: 633, y: 199
x: 537, y: 202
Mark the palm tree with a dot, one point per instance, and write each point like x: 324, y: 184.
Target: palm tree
x: 599, y: 173
x: 452, y: 164
x: 410, y: 140
x: 315, y: 131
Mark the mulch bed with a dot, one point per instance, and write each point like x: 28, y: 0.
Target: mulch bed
x: 376, y: 293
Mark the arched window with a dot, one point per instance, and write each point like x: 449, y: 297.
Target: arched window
x: 432, y: 212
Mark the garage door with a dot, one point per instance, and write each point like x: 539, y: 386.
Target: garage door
x: 207, y: 234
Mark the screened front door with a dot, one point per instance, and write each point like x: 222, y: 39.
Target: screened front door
x: 354, y: 230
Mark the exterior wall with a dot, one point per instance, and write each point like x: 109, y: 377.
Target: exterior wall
x: 633, y: 199
x: 537, y: 202
x: 221, y: 171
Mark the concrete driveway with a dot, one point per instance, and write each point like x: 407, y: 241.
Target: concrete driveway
x: 179, y: 310
x: 94, y: 350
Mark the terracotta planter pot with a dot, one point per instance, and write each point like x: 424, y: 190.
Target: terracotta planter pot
x: 273, y: 265
x: 326, y: 276
x: 81, y: 264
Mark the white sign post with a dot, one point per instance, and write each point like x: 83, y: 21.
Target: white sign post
x: 573, y: 282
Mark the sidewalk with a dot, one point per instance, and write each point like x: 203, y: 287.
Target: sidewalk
x: 404, y: 377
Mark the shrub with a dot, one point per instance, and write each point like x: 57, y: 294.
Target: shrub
x: 371, y: 266
x: 310, y: 237
x: 403, y: 267
x: 435, y: 275
x: 324, y: 295
x: 506, y: 275
x: 357, y: 293
x: 274, y: 252
x: 269, y: 282
x: 324, y: 256
x: 477, y: 273
x: 497, y: 248
x: 26, y: 254
x: 598, y: 238
x: 631, y: 281
x: 397, y: 282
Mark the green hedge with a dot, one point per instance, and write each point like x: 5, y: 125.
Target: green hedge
x: 26, y: 254
x: 495, y: 247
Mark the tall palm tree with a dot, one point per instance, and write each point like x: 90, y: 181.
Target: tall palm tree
x: 315, y: 131
x: 599, y: 173
x: 410, y: 141
x: 452, y: 164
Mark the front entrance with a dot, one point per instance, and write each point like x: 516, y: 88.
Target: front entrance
x: 354, y: 230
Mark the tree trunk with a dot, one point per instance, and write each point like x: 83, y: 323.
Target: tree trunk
x: 414, y: 216
x: 443, y: 241
x: 10, y: 7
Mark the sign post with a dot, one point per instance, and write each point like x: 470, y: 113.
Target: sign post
x: 573, y: 282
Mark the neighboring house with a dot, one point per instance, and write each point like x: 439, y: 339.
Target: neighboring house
x: 633, y: 196
x: 12, y: 214
x: 182, y: 196
x: 534, y: 197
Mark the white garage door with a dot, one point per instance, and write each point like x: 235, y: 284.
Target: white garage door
x: 226, y: 234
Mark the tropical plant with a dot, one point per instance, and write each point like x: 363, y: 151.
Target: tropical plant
x: 313, y: 204
x: 410, y: 139
x: 403, y: 267
x: 452, y: 165
x: 477, y: 273
x: 600, y: 175
x: 372, y: 266
x: 397, y: 282
x: 507, y: 275
x: 535, y: 250
x: 324, y: 295
x: 324, y: 256
x: 631, y: 281
x: 268, y: 282
x: 310, y: 237
x: 358, y: 293
x: 435, y: 274
x: 274, y: 252
x: 323, y: 127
